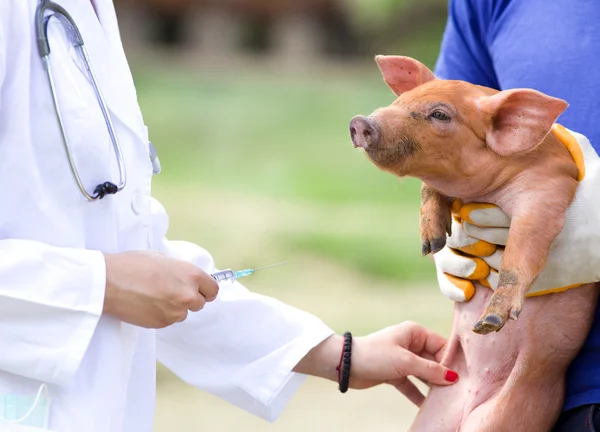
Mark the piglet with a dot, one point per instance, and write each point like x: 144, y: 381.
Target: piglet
x: 478, y: 144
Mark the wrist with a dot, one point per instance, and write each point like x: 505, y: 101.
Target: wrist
x: 322, y: 361
x: 345, y: 364
x: 110, y: 290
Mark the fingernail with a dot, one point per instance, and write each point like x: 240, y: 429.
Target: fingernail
x: 451, y: 376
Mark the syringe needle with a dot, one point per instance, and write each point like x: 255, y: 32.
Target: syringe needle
x: 272, y: 265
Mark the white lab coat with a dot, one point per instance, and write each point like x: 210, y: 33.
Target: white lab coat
x: 101, y: 372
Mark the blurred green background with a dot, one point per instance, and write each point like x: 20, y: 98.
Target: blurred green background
x: 248, y: 103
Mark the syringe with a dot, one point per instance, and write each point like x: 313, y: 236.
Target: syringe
x: 230, y: 275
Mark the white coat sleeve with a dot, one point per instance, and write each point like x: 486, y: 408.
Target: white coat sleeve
x: 51, y: 299
x: 241, y: 347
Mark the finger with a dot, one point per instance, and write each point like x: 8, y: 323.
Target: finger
x: 459, y: 238
x: 455, y: 289
x: 197, y: 304
x: 497, y: 236
x: 579, y: 146
x: 491, y: 281
x: 433, y: 357
x: 207, y: 286
x: 484, y: 215
x: 425, y: 341
x: 462, y: 241
x: 430, y: 371
x: 418, y: 339
x: 480, y: 248
x: 494, y: 260
x: 449, y: 261
x: 408, y: 389
x: 182, y: 317
x: 455, y: 207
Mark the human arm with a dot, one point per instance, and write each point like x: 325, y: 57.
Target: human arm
x: 388, y: 356
x: 51, y: 299
x: 463, y: 52
x: 152, y: 290
x: 241, y: 347
x: 254, y: 351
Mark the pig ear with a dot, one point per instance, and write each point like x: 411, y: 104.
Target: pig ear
x: 520, y: 119
x: 402, y: 74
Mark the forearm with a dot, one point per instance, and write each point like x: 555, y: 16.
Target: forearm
x: 323, y: 359
x: 244, y: 347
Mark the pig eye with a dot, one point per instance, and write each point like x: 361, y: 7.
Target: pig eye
x: 440, y: 115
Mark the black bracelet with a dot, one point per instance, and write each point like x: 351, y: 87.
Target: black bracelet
x: 345, y: 363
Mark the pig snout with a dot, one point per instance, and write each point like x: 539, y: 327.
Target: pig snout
x: 364, y: 132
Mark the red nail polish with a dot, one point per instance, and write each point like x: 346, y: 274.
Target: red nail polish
x: 451, y: 376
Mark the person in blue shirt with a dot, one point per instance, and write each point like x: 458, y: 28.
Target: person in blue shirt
x: 553, y: 47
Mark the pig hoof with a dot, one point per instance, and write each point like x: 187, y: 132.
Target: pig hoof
x: 489, y: 324
x: 514, y: 314
x: 481, y: 328
x: 425, y: 248
x: 437, y: 244
x: 433, y: 246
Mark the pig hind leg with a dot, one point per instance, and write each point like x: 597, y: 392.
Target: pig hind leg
x: 512, y: 380
x: 531, y: 398
x: 446, y: 406
x: 517, y: 409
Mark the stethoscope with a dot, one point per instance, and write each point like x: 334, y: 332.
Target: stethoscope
x: 41, y: 29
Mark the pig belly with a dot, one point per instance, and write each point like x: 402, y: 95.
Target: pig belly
x: 511, y: 380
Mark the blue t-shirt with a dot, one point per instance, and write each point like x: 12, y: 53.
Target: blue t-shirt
x: 551, y: 46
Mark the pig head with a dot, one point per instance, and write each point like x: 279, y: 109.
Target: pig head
x: 459, y: 138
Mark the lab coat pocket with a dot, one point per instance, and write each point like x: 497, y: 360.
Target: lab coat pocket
x: 25, y: 413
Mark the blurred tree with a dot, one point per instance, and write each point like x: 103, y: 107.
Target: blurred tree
x: 170, y: 19
x: 341, y: 28
x: 406, y: 18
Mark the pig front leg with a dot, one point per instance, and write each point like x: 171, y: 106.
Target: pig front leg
x: 537, y: 220
x: 436, y: 220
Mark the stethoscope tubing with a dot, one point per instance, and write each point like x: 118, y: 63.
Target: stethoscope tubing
x: 41, y: 27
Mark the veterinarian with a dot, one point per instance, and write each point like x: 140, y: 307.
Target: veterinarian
x: 92, y: 293
x: 551, y: 47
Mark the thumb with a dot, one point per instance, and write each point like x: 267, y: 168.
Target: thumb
x: 430, y: 371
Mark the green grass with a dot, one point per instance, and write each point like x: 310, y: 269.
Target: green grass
x: 280, y: 136
x: 284, y: 138
x: 384, y: 259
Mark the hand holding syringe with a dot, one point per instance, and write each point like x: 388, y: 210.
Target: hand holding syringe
x: 229, y: 275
